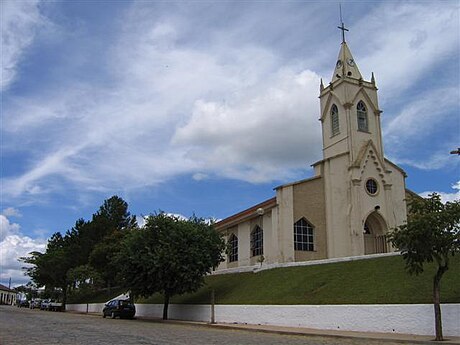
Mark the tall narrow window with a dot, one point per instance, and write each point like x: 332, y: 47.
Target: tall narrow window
x: 362, y: 117
x: 233, y: 248
x: 257, y: 241
x: 303, y: 236
x: 335, y: 127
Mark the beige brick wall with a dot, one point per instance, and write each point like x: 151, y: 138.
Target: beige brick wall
x: 309, y: 202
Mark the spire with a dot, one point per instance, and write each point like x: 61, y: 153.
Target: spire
x: 345, y: 66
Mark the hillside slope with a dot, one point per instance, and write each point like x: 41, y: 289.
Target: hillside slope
x: 375, y: 281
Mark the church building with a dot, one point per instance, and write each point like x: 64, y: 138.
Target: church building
x: 354, y: 198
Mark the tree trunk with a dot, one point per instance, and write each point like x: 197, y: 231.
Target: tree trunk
x: 64, y: 297
x: 165, y: 307
x: 437, y: 302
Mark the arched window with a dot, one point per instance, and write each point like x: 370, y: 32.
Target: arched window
x: 257, y: 241
x: 362, y: 117
x: 303, y: 235
x: 335, y: 127
x: 232, y: 248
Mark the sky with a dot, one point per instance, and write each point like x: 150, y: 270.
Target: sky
x: 204, y: 106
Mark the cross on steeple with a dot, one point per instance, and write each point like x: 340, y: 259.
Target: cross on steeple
x: 343, y: 28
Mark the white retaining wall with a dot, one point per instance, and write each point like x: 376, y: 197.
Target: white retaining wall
x: 394, y: 318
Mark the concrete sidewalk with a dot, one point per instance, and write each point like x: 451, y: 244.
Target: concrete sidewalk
x: 390, y: 337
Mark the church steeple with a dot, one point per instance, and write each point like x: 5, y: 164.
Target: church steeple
x: 350, y: 113
x: 345, y: 66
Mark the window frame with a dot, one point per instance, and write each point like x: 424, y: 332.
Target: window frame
x: 304, y: 236
x: 370, y: 190
x: 361, y: 117
x: 335, y: 122
x: 233, y: 248
x: 257, y: 241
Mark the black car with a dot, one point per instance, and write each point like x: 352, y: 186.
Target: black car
x: 119, y: 308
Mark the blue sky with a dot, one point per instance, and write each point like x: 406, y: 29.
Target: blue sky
x: 204, y: 106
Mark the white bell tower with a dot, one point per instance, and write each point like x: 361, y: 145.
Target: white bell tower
x: 361, y: 199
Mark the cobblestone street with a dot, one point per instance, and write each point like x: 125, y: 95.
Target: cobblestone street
x: 20, y: 326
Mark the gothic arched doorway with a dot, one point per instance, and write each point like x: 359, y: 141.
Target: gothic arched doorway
x: 374, y: 230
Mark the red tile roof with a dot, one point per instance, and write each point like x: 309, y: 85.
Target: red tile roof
x: 236, y: 218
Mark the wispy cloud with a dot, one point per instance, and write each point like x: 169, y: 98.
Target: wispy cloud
x: 20, y: 20
x: 178, y: 95
x: 11, y: 212
x: 423, y: 132
x: 426, y: 36
x: 445, y: 197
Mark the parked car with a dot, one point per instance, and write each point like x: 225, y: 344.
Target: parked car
x: 119, y: 308
x: 44, y: 305
x: 23, y: 303
x: 35, y: 303
x: 55, y: 306
x: 48, y: 304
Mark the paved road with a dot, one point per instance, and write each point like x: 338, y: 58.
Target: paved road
x: 20, y: 326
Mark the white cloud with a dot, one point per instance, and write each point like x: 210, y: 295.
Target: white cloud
x: 122, y: 136
x: 200, y: 176
x: 425, y: 125
x: 7, y: 228
x: 423, y: 115
x: 268, y: 130
x: 11, y: 212
x: 426, y: 35
x: 175, y: 103
x: 445, y: 197
x: 13, y: 245
x: 20, y: 20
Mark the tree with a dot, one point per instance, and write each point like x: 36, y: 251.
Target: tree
x: 50, y: 268
x: 103, y: 257
x: 65, y: 262
x: 170, y: 256
x: 84, y: 277
x: 431, y: 234
x: 106, y: 230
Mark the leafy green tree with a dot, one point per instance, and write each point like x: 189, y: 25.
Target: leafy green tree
x: 50, y: 269
x: 103, y: 257
x: 170, y: 256
x: 107, y: 229
x: 115, y: 215
x: 64, y: 264
x: 84, y: 277
x: 431, y: 234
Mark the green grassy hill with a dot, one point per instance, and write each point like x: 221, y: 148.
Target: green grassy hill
x: 374, y: 281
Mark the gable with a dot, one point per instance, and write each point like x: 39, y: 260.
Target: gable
x: 368, y: 159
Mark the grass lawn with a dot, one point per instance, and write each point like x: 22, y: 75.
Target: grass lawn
x: 375, y: 281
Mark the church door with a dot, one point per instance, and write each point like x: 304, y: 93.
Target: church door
x: 375, y: 229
